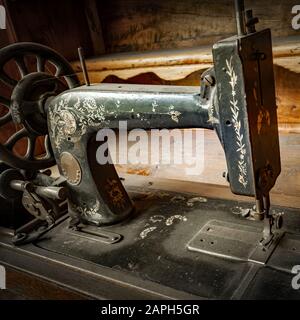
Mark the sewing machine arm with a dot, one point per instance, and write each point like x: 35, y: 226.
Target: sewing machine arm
x: 236, y: 98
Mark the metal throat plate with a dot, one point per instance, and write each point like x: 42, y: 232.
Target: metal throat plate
x: 233, y: 241
x: 95, y: 234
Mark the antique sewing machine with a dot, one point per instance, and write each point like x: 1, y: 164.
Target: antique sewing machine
x: 87, y: 216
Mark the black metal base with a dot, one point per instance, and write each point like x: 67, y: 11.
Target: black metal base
x: 157, y: 253
x: 235, y: 241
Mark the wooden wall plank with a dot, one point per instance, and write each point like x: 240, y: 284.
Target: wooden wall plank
x: 61, y: 25
x: 214, y: 164
x: 95, y: 28
x: 140, y: 25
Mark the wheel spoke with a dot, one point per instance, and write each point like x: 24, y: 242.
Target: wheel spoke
x: 30, y: 148
x: 40, y: 63
x: 21, y: 66
x: 7, y: 79
x: 48, y: 147
x: 15, y: 138
x: 5, y: 119
x: 59, y: 71
x: 21, y: 60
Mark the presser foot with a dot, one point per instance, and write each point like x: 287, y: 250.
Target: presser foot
x: 265, y: 248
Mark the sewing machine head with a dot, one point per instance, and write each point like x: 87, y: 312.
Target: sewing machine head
x: 236, y: 99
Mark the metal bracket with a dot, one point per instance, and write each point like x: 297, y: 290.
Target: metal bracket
x: 262, y: 252
x: 33, y: 230
x: 233, y: 241
x: 95, y: 233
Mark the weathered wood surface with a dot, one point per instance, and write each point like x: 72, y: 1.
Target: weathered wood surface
x: 140, y: 25
x: 95, y: 27
x: 25, y: 286
x: 204, y: 190
x: 62, y: 25
x: 210, y: 182
x: 286, y: 52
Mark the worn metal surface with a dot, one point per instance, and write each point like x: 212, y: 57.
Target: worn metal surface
x: 75, y: 117
x: 70, y: 168
x: 236, y: 98
x: 247, y: 112
x: 152, y: 260
x: 233, y: 241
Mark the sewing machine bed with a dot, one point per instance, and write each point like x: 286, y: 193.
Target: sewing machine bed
x: 153, y: 261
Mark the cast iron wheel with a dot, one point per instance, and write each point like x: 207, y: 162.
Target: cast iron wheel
x: 50, y: 75
x: 6, y: 191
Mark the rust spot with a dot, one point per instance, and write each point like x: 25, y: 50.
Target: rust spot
x: 263, y: 119
x: 140, y: 172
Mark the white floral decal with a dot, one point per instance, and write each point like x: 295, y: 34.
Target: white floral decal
x: 87, y: 211
x: 236, y: 122
x: 64, y: 110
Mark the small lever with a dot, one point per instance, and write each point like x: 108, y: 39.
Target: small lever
x: 240, y: 17
x: 83, y: 66
x: 270, y: 220
x: 55, y: 193
x: 46, y: 203
x: 251, y: 21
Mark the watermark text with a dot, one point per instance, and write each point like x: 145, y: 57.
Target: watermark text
x: 296, y: 278
x: 296, y: 18
x: 2, y: 278
x: 153, y: 147
x: 2, y: 18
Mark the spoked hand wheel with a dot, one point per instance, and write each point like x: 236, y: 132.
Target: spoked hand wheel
x: 38, y: 73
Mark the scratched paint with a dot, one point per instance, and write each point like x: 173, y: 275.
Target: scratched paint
x: 174, y: 114
x: 172, y: 219
x: 160, y: 220
x: 91, y: 211
x: 145, y: 232
x: 157, y: 218
x: 192, y: 201
x: 244, y: 212
x: 178, y: 199
x: 154, y: 106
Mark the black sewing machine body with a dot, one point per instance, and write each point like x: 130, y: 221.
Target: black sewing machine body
x: 75, y: 118
x: 239, y: 104
x: 115, y: 233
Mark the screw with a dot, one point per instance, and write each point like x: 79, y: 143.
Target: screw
x: 209, y: 80
x: 20, y: 236
x: 226, y: 176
